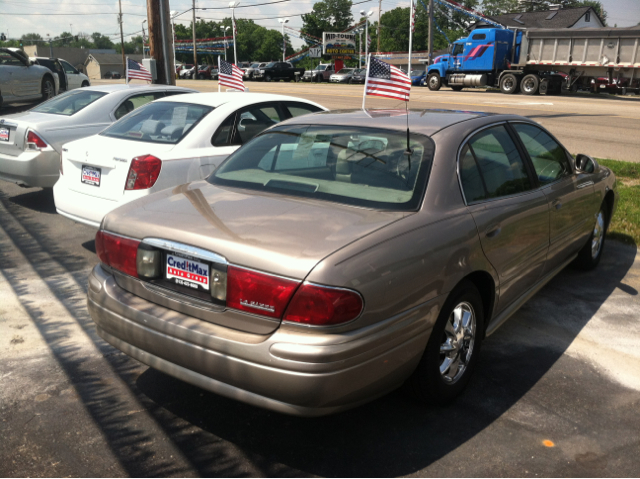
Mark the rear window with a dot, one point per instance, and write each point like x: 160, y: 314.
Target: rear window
x: 351, y: 165
x: 158, y: 122
x: 69, y: 103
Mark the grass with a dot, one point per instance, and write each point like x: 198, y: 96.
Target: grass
x: 625, y: 224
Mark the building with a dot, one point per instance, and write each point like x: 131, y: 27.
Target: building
x: 581, y: 17
x: 76, y: 56
x: 97, y: 64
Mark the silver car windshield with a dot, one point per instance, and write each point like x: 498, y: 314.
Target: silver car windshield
x: 351, y: 165
x: 69, y: 103
x: 158, y: 122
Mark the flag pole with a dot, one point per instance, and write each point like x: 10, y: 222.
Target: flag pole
x: 366, y: 80
x: 218, y: 73
x: 126, y: 71
x: 411, y: 14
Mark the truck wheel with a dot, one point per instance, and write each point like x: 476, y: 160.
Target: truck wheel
x: 267, y: 78
x: 434, y: 81
x: 48, y: 90
x: 530, y: 85
x: 509, y: 84
x: 457, y: 87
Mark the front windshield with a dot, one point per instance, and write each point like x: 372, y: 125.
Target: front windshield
x: 417, y: 73
x: 345, y: 71
x: 270, y: 65
x: 255, y: 65
x: 158, y: 122
x: 321, y: 68
x: 359, y: 71
x: 351, y: 165
x: 69, y: 103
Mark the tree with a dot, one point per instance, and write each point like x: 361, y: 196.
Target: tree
x: 101, y: 42
x: 28, y: 38
x: 328, y: 16
x: 499, y: 7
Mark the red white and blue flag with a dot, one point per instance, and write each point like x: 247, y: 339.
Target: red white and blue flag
x: 137, y: 71
x: 387, y: 81
x: 230, y: 75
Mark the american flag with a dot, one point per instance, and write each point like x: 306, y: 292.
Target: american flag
x: 230, y: 75
x: 413, y: 19
x: 136, y: 70
x: 386, y: 80
x: 368, y: 41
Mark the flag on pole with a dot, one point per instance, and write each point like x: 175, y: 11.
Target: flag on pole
x: 413, y: 18
x: 368, y: 41
x: 387, y: 81
x: 235, y: 25
x: 230, y: 75
x: 136, y: 70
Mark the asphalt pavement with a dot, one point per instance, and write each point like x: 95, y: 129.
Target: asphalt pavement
x: 556, y: 393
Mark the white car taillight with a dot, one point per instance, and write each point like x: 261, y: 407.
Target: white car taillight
x: 34, y: 142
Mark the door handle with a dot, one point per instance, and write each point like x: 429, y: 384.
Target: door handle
x: 493, y: 231
x: 557, y: 204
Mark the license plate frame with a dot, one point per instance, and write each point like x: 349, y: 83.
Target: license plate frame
x: 3, y: 132
x: 191, y: 273
x: 88, y: 177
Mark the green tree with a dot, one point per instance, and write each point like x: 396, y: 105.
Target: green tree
x: 498, y: 7
x: 28, y: 38
x: 328, y: 16
x: 101, y: 42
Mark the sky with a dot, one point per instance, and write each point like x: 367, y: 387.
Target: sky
x: 56, y: 16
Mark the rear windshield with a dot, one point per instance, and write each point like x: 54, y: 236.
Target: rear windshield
x: 69, y: 103
x: 351, y: 165
x: 158, y: 122
x: 344, y: 71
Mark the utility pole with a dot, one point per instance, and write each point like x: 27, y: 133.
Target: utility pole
x: 195, y: 53
x: 379, y: 10
x: 124, y: 65
x: 159, y: 41
x: 430, y: 32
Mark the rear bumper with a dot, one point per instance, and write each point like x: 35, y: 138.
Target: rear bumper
x: 290, y: 371
x: 31, y: 168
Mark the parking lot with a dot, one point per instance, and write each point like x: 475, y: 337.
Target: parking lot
x: 556, y: 392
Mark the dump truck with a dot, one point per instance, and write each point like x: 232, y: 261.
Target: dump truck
x: 540, y: 61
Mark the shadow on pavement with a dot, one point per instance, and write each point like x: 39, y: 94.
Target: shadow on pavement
x: 393, y: 435
x: 36, y: 199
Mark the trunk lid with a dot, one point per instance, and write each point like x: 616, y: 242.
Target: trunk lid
x: 18, y: 125
x: 110, y: 158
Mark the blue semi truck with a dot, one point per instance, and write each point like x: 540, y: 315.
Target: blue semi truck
x: 538, y: 61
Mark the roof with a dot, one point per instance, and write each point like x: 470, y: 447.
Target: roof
x: 561, y: 18
x: 109, y: 88
x: 427, y: 122
x: 112, y: 58
x: 239, y: 98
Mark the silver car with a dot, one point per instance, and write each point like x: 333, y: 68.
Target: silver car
x: 343, y: 76
x: 31, y: 142
x: 335, y: 257
x: 21, y: 81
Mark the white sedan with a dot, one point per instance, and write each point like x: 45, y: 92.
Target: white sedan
x: 165, y: 143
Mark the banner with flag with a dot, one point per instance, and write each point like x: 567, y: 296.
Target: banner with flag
x: 229, y: 75
x: 386, y: 80
x: 136, y: 71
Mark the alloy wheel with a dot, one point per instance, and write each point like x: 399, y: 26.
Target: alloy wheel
x: 456, y: 348
x: 598, y: 236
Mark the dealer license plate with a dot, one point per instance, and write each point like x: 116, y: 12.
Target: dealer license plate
x: 91, y: 175
x: 187, y: 272
x: 4, y: 134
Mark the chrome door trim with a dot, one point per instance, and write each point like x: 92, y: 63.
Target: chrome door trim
x: 186, y: 250
x: 585, y: 184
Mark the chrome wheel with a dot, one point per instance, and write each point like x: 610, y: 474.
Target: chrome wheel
x: 529, y: 85
x: 47, y: 90
x: 458, y: 340
x: 598, y: 236
x: 434, y: 82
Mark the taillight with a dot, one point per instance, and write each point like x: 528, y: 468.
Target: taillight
x: 258, y: 293
x: 143, y: 172
x: 34, y: 142
x: 118, y: 252
x: 316, y: 305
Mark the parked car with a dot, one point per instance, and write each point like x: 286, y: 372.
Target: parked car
x: 207, y: 72
x: 164, y: 144
x: 359, y: 75
x: 21, y: 81
x: 418, y: 77
x: 112, y: 75
x: 319, y: 74
x: 68, y: 76
x: 276, y: 71
x: 249, y: 72
x: 31, y: 142
x: 343, y: 76
x: 187, y: 71
x: 332, y: 259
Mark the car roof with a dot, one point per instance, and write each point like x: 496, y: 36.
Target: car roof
x: 427, y: 122
x: 239, y: 98
x: 110, y: 88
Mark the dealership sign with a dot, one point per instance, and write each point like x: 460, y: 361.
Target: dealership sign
x: 339, y: 43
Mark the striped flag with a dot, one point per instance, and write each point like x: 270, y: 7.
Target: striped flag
x: 230, y: 75
x: 136, y: 70
x: 368, y: 41
x: 413, y: 19
x: 387, y: 81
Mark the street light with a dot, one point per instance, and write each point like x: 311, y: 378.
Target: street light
x: 232, y: 6
x: 225, y: 41
x: 143, y: 22
x: 366, y: 35
x: 284, y: 44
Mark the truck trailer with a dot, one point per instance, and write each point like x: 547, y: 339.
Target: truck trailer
x: 539, y: 61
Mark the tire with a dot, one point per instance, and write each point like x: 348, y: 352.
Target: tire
x: 457, y: 88
x: 509, y: 84
x: 48, y: 89
x: 200, y: 76
x: 431, y: 383
x: 590, y: 254
x: 85, y: 84
x: 267, y: 78
x: 350, y: 81
x: 434, y: 82
x: 530, y: 85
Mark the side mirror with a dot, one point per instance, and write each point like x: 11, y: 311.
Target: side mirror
x: 586, y: 164
x: 450, y: 48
